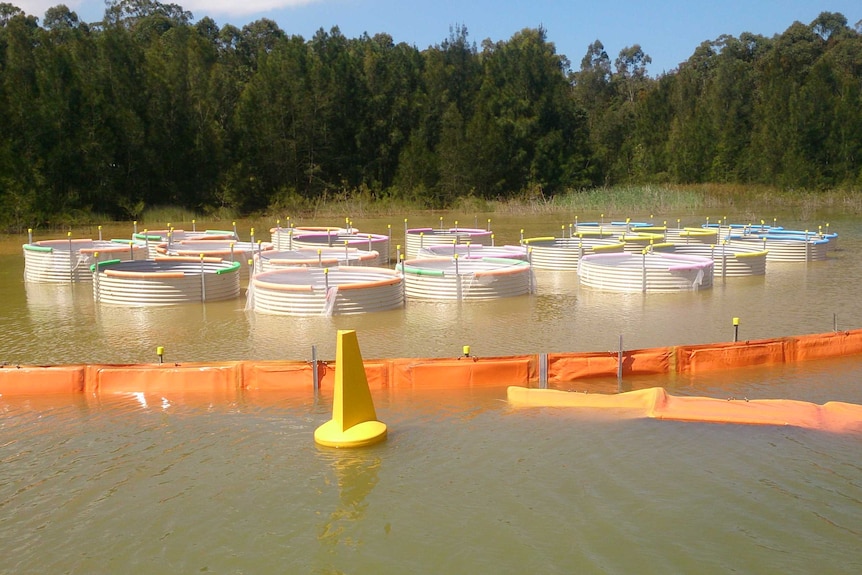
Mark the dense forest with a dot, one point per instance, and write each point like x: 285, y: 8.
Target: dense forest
x: 150, y: 107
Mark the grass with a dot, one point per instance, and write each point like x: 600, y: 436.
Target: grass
x: 692, y: 199
x: 696, y: 199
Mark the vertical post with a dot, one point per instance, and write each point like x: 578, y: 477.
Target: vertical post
x: 315, y: 378
x: 388, y: 245
x: 203, y: 281
x: 29, y: 235
x: 403, y: 276
x: 543, y: 371
x: 457, y: 279
x: 643, y: 264
x: 834, y: 322
x: 96, y: 277
x: 194, y: 226
x: 71, y: 259
x: 620, y: 365
x: 735, y: 329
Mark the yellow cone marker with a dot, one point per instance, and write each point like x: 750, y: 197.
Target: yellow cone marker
x: 354, y: 421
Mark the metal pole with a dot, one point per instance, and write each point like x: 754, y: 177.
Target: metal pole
x: 643, y: 279
x: 620, y: 365
x: 71, y: 260
x: 543, y: 371
x: 457, y: 278
x: 96, y: 277
x: 403, y: 276
x: 203, y: 281
x: 315, y: 378
x: 735, y: 329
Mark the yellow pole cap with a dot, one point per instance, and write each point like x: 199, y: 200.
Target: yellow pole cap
x: 736, y: 321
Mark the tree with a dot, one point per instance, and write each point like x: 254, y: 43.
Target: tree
x: 829, y: 24
x: 631, y: 69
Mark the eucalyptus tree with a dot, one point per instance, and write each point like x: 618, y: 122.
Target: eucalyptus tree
x: 390, y: 80
x: 272, y: 130
x: 21, y: 179
x: 528, y: 130
x: 444, y: 100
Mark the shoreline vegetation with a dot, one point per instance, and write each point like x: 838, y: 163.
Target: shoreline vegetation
x: 148, y: 107
x: 625, y: 199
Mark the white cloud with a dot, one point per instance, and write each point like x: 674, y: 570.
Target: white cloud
x: 37, y: 7
x: 199, y: 8
x: 238, y: 8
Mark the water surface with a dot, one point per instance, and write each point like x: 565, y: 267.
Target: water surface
x: 134, y: 483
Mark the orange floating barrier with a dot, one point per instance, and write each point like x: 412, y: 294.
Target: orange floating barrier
x: 220, y: 378
x: 825, y: 345
x: 465, y: 372
x: 29, y: 380
x: 563, y: 367
x: 292, y: 376
x: 709, y: 357
x: 655, y: 402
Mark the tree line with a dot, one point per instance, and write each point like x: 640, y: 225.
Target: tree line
x: 149, y: 107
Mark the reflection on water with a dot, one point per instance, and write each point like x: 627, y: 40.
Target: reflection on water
x: 355, y: 472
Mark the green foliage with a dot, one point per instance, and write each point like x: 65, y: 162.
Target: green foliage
x: 147, y: 108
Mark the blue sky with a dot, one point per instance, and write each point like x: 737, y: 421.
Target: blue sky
x: 667, y: 31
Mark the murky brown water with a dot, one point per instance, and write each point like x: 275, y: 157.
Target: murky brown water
x: 131, y: 483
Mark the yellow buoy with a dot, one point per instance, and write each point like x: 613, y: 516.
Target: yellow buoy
x: 354, y: 421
